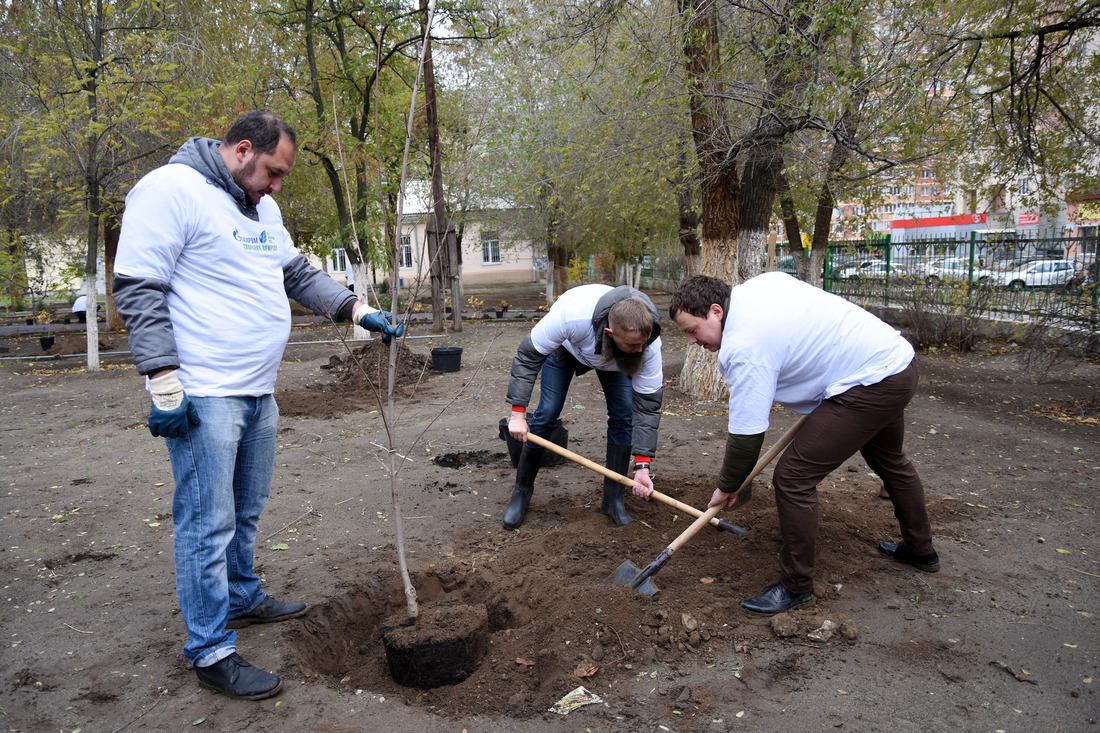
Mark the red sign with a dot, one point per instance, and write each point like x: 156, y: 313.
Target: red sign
x: 938, y: 221
x: 1031, y: 217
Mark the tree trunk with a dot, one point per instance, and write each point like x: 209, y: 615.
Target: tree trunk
x: 446, y: 250
x: 719, y: 184
x: 758, y: 186
x: 112, y: 228
x: 689, y: 219
x: 559, y: 260
x: 90, y: 273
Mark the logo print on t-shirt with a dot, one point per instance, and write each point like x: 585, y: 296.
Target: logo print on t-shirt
x: 260, y: 243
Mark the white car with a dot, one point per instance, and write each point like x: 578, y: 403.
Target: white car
x: 1038, y: 274
x: 955, y: 269
x: 868, y: 270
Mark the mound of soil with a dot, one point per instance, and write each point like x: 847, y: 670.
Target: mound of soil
x: 360, y: 378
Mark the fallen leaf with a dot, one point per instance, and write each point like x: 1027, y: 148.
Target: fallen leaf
x: 345, y: 680
x: 585, y: 670
x: 842, y: 692
x: 1070, y: 646
x: 281, y: 546
x: 706, y: 581
x: 1064, y: 552
x: 524, y: 662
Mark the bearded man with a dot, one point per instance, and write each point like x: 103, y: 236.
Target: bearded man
x: 615, y: 331
x: 203, y: 276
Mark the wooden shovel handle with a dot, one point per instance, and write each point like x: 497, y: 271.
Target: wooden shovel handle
x: 767, y: 458
x: 615, y: 476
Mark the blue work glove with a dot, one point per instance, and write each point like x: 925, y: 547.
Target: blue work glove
x: 379, y: 322
x: 172, y: 414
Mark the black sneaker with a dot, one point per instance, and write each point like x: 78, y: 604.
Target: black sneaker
x: 267, y: 611
x: 929, y: 563
x: 236, y: 678
x: 777, y: 599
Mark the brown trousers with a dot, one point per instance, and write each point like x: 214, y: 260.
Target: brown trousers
x: 871, y: 420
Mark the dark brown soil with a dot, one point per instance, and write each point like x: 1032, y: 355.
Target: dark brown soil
x: 1004, y: 637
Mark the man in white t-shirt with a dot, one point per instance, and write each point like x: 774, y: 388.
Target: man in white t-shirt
x: 615, y: 331
x: 202, y: 278
x: 781, y: 340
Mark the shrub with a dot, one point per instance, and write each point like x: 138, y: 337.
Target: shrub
x: 946, y: 315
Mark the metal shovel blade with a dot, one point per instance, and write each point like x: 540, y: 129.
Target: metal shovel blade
x: 627, y: 573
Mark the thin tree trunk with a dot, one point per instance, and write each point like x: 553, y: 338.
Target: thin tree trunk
x: 112, y: 228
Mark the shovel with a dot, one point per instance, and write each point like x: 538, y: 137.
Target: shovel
x: 614, y: 476
x: 629, y: 574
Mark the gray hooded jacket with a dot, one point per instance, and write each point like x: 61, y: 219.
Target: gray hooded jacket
x: 143, y: 302
x: 646, y: 408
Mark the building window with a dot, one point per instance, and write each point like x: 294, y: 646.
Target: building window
x: 339, y: 260
x: 1022, y: 185
x: 490, y: 247
x: 406, y: 252
x: 924, y: 191
x: 926, y: 174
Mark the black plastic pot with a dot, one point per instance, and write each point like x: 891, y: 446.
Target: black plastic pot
x: 447, y: 358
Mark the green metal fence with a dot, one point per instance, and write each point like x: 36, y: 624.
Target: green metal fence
x: 1011, y: 278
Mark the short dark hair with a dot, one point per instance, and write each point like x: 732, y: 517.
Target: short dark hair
x: 632, y: 315
x: 261, y: 128
x: 697, y: 294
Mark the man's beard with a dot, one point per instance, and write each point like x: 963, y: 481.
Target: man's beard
x: 242, y: 176
x: 628, y: 364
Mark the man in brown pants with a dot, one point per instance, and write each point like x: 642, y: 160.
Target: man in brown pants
x: 781, y: 340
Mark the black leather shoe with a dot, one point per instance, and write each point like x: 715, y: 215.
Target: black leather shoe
x: 267, y: 611
x: 235, y: 677
x: 929, y: 563
x: 777, y: 599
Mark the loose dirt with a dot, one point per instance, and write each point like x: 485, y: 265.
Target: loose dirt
x: 1003, y: 637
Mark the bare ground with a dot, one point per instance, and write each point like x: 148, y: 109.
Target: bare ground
x: 1004, y: 637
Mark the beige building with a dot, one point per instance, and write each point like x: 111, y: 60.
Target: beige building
x: 493, y: 249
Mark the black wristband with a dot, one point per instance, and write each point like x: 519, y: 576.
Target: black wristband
x: 646, y: 466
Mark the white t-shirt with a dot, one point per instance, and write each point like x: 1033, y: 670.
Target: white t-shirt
x: 569, y: 324
x: 229, y: 309
x: 788, y: 342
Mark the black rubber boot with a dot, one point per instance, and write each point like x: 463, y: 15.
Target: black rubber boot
x: 618, y: 460
x: 530, y: 461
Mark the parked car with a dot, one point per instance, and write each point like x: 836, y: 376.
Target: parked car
x: 953, y: 269
x: 1038, y: 274
x: 869, y: 270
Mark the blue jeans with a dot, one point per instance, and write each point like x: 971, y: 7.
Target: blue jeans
x: 555, y: 379
x: 222, y: 469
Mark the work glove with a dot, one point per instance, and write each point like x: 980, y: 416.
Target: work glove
x: 378, y: 321
x: 172, y: 414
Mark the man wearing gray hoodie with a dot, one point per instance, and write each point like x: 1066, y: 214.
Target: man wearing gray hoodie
x: 202, y: 278
x: 617, y: 333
